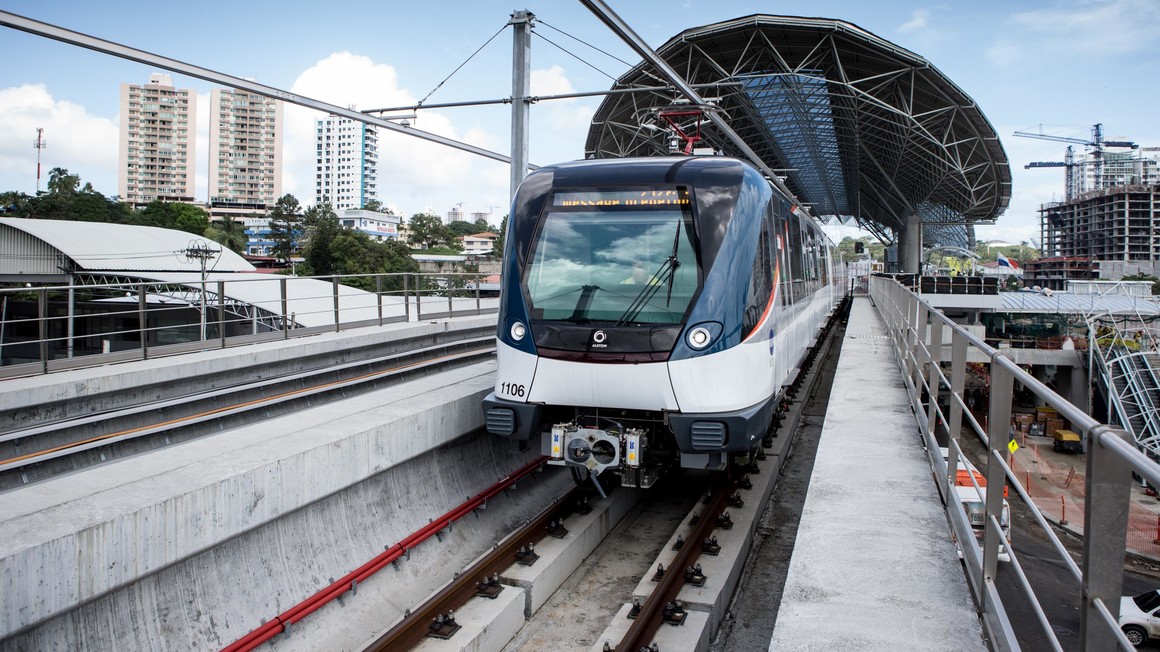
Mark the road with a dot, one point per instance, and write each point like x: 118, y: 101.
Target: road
x: 1057, y: 589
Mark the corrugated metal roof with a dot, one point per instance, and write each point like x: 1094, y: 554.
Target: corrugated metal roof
x: 104, y: 247
x: 1084, y: 304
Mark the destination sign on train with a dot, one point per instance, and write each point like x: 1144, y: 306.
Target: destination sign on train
x: 671, y: 197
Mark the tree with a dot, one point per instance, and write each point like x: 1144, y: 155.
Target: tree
x: 13, y: 202
x: 60, y: 182
x: 1145, y: 277
x: 428, y: 230
x: 229, y: 233
x: 460, y: 228
x: 355, y: 252
x: 64, y: 202
x: 321, y: 228
x: 373, y: 205
x: 285, y: 227
x: 174, y: 215
x: 481, y: 225
x: 847, y: 248
x: 497, y: 249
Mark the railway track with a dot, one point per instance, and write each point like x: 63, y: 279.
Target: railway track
x: 688, y: 573
x: 43, y: 450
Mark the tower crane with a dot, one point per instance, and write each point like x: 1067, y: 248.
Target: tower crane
x: 1096, y: 142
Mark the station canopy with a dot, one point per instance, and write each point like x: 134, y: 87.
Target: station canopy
x: 861, y: 130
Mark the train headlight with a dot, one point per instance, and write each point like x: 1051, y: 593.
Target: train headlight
x: 518, y: 331
x: 699, y: 338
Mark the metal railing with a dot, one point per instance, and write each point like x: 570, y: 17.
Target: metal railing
x: 917, y: 334
x: 111, y: 318
x: 1129, y: 381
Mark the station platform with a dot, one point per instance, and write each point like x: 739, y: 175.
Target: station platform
x: 873, y: 566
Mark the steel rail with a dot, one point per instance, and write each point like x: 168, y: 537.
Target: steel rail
x: 94, y: 416
x: 228, y: 410
x: 349, y: 582
x: 414, y: 627
x: 648, y: 620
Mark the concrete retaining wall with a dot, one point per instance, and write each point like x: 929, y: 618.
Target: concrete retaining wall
x: 72, y: 539
x: 25, y: 402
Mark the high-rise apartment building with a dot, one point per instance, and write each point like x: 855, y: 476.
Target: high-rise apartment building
x: 347, y: 157
x: 158, y: 128
x: 245, y: 150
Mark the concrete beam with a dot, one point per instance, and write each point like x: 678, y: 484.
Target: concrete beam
x: 76, y: 537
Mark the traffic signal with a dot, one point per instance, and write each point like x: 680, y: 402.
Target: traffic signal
x: 859, y: 246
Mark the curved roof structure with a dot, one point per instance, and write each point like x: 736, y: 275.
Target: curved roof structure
x: 862, y: 129
x: 100, y: 254
x: 56, y: 247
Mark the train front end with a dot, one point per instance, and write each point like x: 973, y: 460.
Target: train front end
x: 605, y: 262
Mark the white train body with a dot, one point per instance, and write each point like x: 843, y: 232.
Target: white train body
x: 653, y: 311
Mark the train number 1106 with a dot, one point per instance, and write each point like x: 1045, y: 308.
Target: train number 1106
x: 512, y: 389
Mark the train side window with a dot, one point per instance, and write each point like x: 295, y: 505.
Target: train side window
x: 824, y: 262
x: 760, y: 282
x: 809, y: 254
x: 782, y: 252
x: 795, y: 256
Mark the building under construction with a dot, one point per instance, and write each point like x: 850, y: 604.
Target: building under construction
x: 1106, y: 232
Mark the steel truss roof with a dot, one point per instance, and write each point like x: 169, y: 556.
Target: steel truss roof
x: 863, y: 130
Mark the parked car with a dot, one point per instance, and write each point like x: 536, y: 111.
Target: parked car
x: 1140, y: 616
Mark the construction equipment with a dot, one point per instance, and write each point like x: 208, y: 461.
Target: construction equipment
x: 1096, y: 142
x: 1066, y: 441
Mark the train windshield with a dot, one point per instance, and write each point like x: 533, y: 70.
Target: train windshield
x: 620, y: 257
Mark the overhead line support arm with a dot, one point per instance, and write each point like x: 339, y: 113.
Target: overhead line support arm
x: 634, y: 41
x: 38, y: 28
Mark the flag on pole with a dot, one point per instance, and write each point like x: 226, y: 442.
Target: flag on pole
x: 1004, y: 262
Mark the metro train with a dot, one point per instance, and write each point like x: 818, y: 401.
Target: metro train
x: 652, y: 311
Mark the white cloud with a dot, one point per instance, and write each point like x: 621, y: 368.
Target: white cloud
x: 1078, y: 29
x: 575, y: 119
x: 413, y: 173
x: 551, y: 81
x: 1104, y: 26
x: 918, y: 20
x: 84, y: 144
x: 565, y: 115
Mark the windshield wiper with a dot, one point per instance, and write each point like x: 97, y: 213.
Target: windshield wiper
x: 664, y: 275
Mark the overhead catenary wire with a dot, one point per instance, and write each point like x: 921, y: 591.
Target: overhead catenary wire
x: 604, y: 52
x: 457, y: 68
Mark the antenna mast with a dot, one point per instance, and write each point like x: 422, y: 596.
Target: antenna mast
x: 39, y: 144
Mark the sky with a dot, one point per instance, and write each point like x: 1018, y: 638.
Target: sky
x: 1059, y: 66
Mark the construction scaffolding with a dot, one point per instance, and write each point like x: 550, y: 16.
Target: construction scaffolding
x: 1112, y: 224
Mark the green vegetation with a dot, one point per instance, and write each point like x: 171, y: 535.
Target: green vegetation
x: 1020, y: 253
x: 428, y: 231
x: 848, y: 249
x: 315, y: 233
x: 285, y: 227
x: 1145, y: 277
x: 497, y: 249
x: 229, y: 233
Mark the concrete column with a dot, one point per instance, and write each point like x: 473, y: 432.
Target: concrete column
x: 910, y: 246
x: 1072, y: 384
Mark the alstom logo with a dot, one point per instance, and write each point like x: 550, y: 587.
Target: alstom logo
x: 598, y: 340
